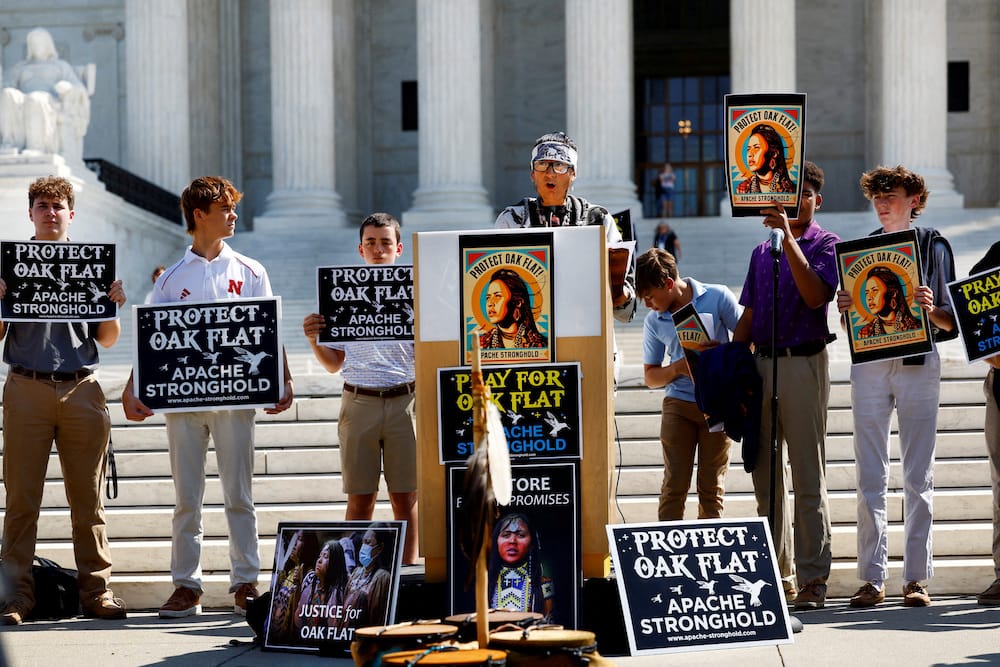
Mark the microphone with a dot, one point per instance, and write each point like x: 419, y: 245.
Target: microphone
x: 775, y: 238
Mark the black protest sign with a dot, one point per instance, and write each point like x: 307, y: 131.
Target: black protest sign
x: 56, y: 281
x: 539, y: 406
x: 976, y: 301
x: 320, y: 590
x: 367, y: 302
x: 693, y: 585
x: 208, y: 355
x: 534, y: 563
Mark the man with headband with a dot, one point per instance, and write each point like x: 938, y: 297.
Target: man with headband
x: 553, y: 170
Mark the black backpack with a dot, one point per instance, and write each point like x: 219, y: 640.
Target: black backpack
x: 57, y: 594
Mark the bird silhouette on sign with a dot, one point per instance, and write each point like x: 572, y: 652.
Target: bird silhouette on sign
x: 96, y: 293
x: 514, y: 417
x: 658, y: 598
x: 751, y: 588
x: 555, y: 424
x: 708, y: 586
x: 212, y: 356
x: 676, y: 590
x: 248, y: 357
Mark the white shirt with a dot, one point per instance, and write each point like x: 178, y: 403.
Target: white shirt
x: 229, y: 276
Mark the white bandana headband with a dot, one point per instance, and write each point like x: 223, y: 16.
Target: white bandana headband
x: 555, y: 152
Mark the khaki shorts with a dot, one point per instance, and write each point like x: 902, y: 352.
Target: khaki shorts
x: 377, y: 433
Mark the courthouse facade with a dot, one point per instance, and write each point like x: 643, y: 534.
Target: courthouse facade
x: 427, y: 108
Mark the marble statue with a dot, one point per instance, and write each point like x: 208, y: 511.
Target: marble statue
x: 44, y: 105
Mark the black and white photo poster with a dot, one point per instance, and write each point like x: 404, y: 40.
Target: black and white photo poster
x: 208, y: 355
x: 56, y: 281
x: 697, y: 585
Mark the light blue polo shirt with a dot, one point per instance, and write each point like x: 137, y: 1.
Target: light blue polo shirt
x: 719, y: 312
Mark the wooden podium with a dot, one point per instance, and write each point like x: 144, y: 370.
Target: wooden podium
x: 582, y: 325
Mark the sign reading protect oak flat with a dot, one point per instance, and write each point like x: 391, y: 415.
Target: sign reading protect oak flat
x: 56, y: 281
x: 365, y: 303
x: 215, y: 355
x: 696, y: 585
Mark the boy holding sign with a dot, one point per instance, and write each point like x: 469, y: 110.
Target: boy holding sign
x: 210, y: 270
x: 51, y: 395
x: 375, y: 427
x: 912, y: 386
x: 683, y: 427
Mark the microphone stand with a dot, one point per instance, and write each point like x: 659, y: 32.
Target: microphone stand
x: 776, y: 466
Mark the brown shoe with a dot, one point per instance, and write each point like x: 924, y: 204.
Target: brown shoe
x: 915, y: 595
x: 867, y: 596
x: 245, y: 594
x: 105, y: 606
x: 811, y: 596
x: 14, y: 613
x: 790, y: 594
x: 991, y: 596
x: 182, y: 602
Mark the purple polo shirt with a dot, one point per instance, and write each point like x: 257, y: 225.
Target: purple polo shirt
x: 797, y: 323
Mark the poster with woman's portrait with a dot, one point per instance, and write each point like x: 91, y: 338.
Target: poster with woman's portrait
x: 765, y: 144
x: 329, y: 579
x: 507, y: 297
x: 534, y: 561
x: 881, y: 272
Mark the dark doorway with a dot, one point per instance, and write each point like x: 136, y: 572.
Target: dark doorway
x: 682, y: 75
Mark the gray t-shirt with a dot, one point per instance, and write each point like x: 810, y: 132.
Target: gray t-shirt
x: 63, y: 347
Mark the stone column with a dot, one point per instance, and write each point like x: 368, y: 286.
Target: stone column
x: 762, y: 46
x: 600, y: 101
x: 302, y: 118
x: 751, y: 71
x: 908, y: 110
x: 450, y: 191
x: 156, y: 83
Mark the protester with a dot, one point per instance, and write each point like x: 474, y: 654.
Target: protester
x: 991, y: 388
x: 375, y: 427
x: 51, y: 395
x: 664, y: 186
x: 553, y: 170
x: 211, y: 270
x: 912, y: 386
x: 683, y: 428
x: 666, y: 239
x: 807, y: 278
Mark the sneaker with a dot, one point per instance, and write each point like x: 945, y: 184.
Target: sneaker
x: 811, y: 596
x: 105, y: 606
x: 182, y: 602
x: 14, y: 613
x: 991, y: 596
x: 867, y: 596
x: 245, y: 594
x: 915, y: 595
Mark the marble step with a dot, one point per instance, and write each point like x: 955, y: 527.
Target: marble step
x: 153, y: 520
x: 950, y: 505
x: 952, y: 576
x: 953, y: 392
x: 839, y: 448
x: 950, y: 418
x: 311, y: 487
x: 139, y: 556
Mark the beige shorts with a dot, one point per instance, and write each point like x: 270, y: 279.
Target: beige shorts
x: 376, y: 434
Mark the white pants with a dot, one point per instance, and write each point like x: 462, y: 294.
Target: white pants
x: 187, y: 435
x: 914, y: 391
